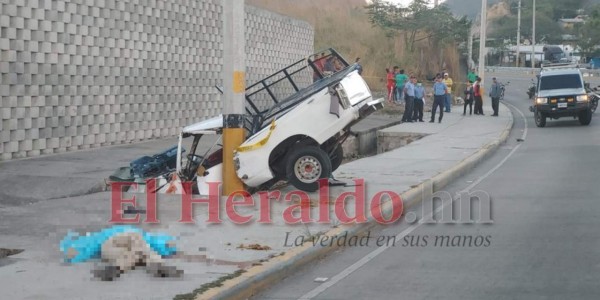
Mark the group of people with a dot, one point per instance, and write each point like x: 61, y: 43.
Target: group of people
x: 406, y: 88
x: 473, y: 94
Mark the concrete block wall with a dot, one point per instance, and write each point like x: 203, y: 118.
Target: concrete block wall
x: 81, y: 74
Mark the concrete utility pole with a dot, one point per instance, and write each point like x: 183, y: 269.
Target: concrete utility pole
x: 470, y: 51
x: 518, y: 33
x: 482, y: 38
x: 234, y: 82
x: 533, y: 40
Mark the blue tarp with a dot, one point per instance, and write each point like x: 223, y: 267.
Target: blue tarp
x: 88, y: 246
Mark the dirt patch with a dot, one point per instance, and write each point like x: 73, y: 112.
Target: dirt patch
x: 205, y: 287
x: 254, y: 247
x: 8, y: 252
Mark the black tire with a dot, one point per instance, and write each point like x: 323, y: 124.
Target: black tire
x: 305, y: 166
x: 540, y: 119
x: 585, y: 117
x: 336, y: 158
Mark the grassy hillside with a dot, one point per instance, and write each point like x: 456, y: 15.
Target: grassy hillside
x: 345, y: 26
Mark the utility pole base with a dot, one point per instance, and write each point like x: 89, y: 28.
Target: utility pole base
x: 233, y: 137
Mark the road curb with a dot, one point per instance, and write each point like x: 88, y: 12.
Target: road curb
x: 260, y: 277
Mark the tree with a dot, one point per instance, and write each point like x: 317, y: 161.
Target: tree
x: 589, y: 33
x: 547, y: 28
x: 437, y: 24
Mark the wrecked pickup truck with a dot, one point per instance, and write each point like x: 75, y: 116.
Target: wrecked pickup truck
x: 296, y: 122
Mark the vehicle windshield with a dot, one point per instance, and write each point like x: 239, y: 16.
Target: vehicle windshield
x: 569, y: 81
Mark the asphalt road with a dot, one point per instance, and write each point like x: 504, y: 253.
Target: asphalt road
x: 543, y: 243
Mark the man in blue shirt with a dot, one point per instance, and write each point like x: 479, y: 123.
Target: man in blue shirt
x: 419, y: 102
x: 358, y: 66
x: 439, y: 96
x: 495, y: 94
x: 409, y: 93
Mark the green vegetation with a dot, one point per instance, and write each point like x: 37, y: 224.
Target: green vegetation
x: 589, y: 33
x: 548, y: 12
x: 349, y: 27
x: 419, y: 22
x: 548, y: 30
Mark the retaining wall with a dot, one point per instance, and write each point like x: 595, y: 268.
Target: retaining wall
x: 87, y: 73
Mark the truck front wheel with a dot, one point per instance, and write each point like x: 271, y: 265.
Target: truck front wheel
x: 540, y: 119
x: 585, y: 117
x: 306, y: 165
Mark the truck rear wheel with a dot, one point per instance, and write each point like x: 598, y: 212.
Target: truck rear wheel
x: 540, y: 119
x: 306, y: 166
x: 585, y: 117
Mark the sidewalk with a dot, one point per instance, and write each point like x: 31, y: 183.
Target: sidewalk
x: 37, y: 273
x: 31, y: 180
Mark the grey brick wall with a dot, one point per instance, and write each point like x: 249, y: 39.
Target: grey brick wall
x: 88, y: 73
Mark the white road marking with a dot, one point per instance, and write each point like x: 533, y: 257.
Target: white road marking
x: 367, y: 258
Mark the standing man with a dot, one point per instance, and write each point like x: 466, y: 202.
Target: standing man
x: 478, y: 99
x: 469, y: 98
x: 439, y: 95
x: 495, y: 93
x: 401, y: 79
x: 419, y: 102
x: 409, y: 92
x: 358, y: 66
x: 448, y: 101
x: 472, y: 76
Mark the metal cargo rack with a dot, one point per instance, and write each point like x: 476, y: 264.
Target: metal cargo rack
x: 278, y: 93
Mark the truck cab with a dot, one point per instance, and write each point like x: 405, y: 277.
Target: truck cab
x: 554, y: 54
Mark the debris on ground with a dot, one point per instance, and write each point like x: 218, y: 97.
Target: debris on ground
x: 147, y: 167
x: 254, y: 247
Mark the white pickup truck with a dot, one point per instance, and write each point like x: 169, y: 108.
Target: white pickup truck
x: 296, y: 121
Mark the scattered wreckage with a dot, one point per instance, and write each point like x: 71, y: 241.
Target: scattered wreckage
x: 296, y: 122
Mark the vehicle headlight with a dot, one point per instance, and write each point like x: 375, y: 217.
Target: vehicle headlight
x: 541, y: 100
x: 582, y: 98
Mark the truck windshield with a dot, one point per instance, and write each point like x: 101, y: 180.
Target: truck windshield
x: 568, y: 81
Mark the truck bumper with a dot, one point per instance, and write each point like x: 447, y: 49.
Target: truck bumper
x: 553, y: 111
